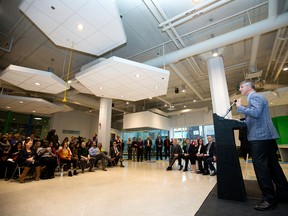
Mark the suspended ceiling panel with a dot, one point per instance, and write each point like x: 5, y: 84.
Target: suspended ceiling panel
x: 33, y: 80
x: 58, y: 19
x: 30, y: 105
x: 124, y: 79
x: 80, y: 87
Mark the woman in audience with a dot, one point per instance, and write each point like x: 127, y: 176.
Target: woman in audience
x: 65, y: 156
x: 27, y: 158
x: 47, y: 159
x: 199, y: 154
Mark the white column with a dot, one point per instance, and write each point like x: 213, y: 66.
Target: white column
x: 104, y: 126
x: 218, y: 86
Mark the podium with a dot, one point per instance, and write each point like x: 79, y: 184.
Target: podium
x: 230, y: 184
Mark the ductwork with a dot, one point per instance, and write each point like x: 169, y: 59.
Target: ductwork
x: 222, y: 40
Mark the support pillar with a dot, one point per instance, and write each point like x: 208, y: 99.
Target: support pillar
x: 104, y: 125
x: 218, y: 86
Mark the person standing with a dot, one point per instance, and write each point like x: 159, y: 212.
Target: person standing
x: 167, y: 145
x: 129, y: 148
x: 159, y: 144
x: 140, y: 147
x: 262, y: 135
x: 148, y: 145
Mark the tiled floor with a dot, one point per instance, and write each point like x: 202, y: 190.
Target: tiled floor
x: 138, y: 189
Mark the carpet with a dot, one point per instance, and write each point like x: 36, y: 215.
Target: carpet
x: 213, y: 206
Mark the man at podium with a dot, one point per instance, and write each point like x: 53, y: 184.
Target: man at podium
x: 262, y: 136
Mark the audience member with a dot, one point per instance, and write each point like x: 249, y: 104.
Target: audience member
x: 96, y: 153
x: 85, y: 158
x: 140, y: 146
x: 47, y: 159
x: 134, y: 148
x: 176, y: 154
x: 27, y: 158
x: 167, y: 145
x: 65, y: 157
x: 190, y: 152
x: 159, y: 144
x: 116, y: 155
x: 148, y: 146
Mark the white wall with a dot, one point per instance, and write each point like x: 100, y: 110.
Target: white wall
x: 192, y: 119
x: 86, y: 123
x: 145, y: 119
x: 279, y: 111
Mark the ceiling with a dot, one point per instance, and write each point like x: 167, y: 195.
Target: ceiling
x: 177, y: 36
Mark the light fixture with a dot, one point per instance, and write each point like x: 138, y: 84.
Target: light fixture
x: 38, y: 84
x: 215, y: 52
x: 80, y: 27
x: 183, y: 88
x: 38, y: 118
x: 184, y: 106
x: 127, y: 102
x: 137, y: 75
x: 21, y: 102
x: 285, y: 67
x: 194, y: 100
x: 100, y: 87
x: 196, y: 1
x: 34, y: 111
x: 150, y: 98
x: 69, y: 81
x: 156, y: 87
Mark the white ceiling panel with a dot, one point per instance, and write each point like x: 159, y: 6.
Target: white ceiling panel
x: 103, y: 27
x: 119, y: 79
x: 26, y: 78
x: 30, y: 105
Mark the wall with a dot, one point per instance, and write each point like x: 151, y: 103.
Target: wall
x: 145, y: 119
x: 192, y: 119
x: 86, y: 123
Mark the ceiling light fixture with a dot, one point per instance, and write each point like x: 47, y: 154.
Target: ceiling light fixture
x: 215, y: 52
x: 38, y: 118
x: 137, y: 75
x: 100, y: 87
x: 183, y: 88
x: 8, y: 107
x: 80, y: 27
x: 285, y: 67
x: 38, y: 84
x: 194, y: 100
x: 156, y: 87
x: 127, y: 102
x: 34, y: 111
x: 196, y: 1
x: 150, y: 98
x: 21, y: 102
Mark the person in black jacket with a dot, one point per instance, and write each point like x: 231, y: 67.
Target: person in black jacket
x: 209, y: 157
x: 190, y: 152
x: 176, y: 154
x: 159, y: 144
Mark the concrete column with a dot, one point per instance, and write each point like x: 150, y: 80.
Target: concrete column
x: 104, y: 125
x: 218, y: 86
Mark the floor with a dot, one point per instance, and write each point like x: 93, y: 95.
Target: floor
x: 137, y: 189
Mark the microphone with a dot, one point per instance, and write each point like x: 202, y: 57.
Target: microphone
x: 230, y: 108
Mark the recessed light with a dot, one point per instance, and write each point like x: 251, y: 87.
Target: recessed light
x: 156, y: 87
x: 69, y: 81
x: 122, y: 96
x: 80, y: 27
x: 165, y: 105
x: 33, y: 111
x: 194, y: 100
x: 38, y: 118
x: 8, y: 107
x: 150, y: 98
x: 100, y: 87
x: 21, y: 102
x: 38, y: 84
x: 127, y: 102
x: 184, y: 106
x: 137, y: 75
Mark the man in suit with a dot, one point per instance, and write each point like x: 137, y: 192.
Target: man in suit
x: 159, y: 144
x: 209, y: 157
x: 148, y: 145
x: 176, y: 154
x: 262, y: 136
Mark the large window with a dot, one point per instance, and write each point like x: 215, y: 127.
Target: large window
x: 24, y: 124
x: 193, y: 132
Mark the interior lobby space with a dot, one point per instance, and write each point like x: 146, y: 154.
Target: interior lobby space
x: 140, y: 188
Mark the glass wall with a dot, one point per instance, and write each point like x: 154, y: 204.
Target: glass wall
x: 24, y: 124
x: 144, y: 134
x: 193, y: 132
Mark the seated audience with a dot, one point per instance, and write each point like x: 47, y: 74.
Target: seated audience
x: 200, y: 152
x: 47, y: 159
x: 209, y: 157
x: 85, y: 158
x: 96, y: 153
x: 176, y: 154
x: 65, y: 156
x: 27, y: 158
x: 116, y: 154
x: 190, y: 152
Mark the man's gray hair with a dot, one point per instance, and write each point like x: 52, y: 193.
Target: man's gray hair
x: 248, y: 83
